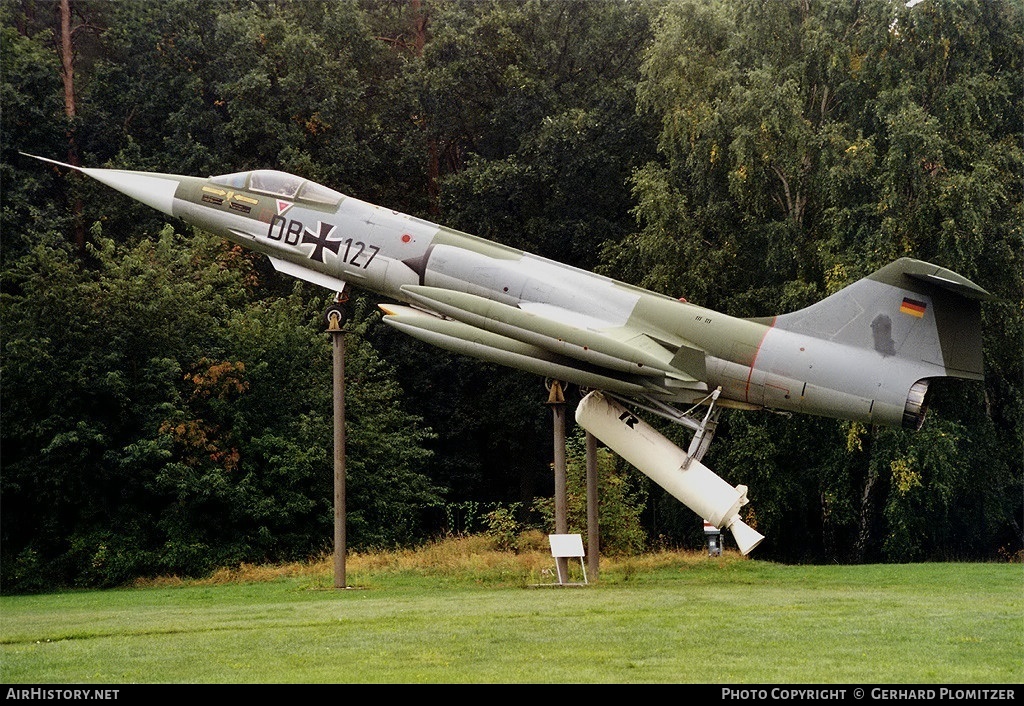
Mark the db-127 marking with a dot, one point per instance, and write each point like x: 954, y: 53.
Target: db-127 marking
x: 295, y: 232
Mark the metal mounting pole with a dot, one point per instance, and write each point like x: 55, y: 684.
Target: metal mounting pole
x: 593, y: 543
x: 335, y: 314
x: 556, y: 401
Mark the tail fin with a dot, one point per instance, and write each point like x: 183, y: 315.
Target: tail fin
x: 910, y: 309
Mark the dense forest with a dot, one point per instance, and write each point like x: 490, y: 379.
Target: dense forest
x: 166, y: 396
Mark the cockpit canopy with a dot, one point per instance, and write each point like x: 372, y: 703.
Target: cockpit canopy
x: 275, y: 183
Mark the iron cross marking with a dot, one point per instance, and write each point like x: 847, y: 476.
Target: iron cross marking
x: 321, y: 241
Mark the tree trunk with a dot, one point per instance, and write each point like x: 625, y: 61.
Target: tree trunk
x: 862, y: 544
x: 67, y: 74
x: 419, y: 29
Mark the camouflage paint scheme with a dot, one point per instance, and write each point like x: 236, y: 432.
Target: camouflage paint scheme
x: 865, y: 353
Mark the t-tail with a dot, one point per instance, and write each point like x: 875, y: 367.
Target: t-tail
x: 912, y: 320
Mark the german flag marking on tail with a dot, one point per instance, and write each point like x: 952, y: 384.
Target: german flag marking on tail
x: 913, y: 307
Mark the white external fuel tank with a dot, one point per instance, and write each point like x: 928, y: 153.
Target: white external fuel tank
x: 696, y: 485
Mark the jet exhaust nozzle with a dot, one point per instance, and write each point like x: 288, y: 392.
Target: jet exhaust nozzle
x: 746, y: 536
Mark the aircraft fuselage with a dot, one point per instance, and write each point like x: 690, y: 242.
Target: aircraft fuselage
x: 865, y: 353
x: 633, y: 332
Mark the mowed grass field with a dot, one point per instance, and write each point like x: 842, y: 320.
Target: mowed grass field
x: 467, y: 615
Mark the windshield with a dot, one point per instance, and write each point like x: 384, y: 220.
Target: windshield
x: 277, y: 183
x: 311, y: 191
x: 236, y: 180
x: 289, y: 186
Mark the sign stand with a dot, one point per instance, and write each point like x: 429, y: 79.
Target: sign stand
x: 565, y: 546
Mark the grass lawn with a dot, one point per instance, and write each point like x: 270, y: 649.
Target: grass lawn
x: 675, y: 618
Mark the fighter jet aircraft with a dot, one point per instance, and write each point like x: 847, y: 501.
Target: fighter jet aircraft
x: 865, y: 353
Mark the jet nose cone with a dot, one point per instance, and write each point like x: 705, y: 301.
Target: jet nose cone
x: 155, y: 190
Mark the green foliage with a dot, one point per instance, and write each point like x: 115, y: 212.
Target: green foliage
x: 620, y: 500
x: 90, y: 371
x: 803, y: 146
x: 387, y: 447
x: 31, y: 94
x: 537, y: 116
x: 164, y: 398
x: 503, y: 526
x: 529, y: 129
x: 158, y: 421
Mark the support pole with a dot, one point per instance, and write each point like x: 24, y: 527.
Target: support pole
x: 556, y: 401
x: 593, y: 536
x: 335, y: 315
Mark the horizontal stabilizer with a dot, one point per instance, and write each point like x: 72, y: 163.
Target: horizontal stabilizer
x: 941, y: 277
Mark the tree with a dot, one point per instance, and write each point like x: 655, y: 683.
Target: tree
x: 537, y: 117
x: 804, y: 146
x: 95, y: 358
x: 530, y: 108
x: 621, y: 499
x: 158, y: 420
